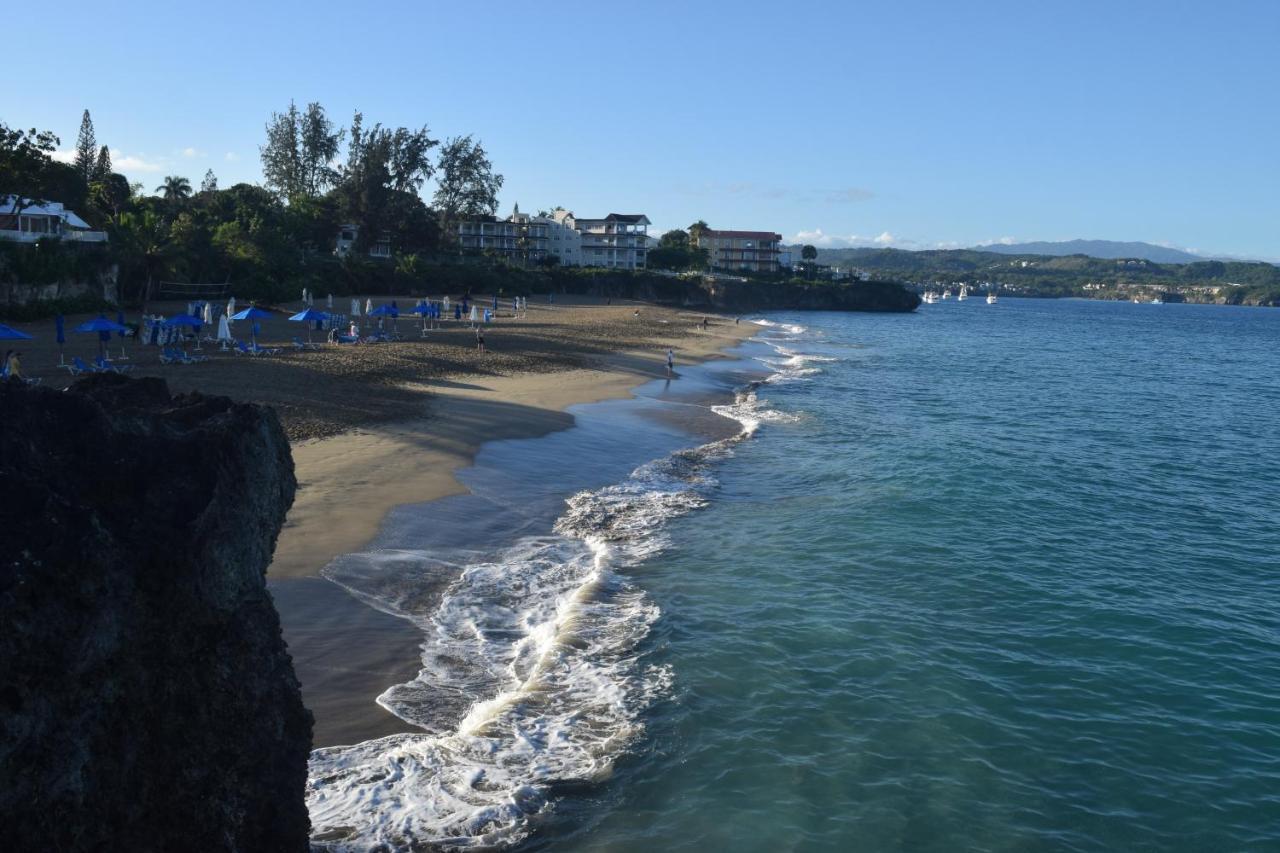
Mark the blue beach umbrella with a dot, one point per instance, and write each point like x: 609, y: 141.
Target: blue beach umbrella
x: 103, y: 327
x: 252, y: 313
x: 188, y: 320
x: 308, y: 316
x: 8, y: 333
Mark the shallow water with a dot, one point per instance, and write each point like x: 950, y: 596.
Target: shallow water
x: 984, y: 578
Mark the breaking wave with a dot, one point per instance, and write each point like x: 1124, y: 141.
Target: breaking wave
x: 534, y: 674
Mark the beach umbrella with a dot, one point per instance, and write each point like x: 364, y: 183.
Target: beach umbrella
x: 423, y: 310
x: 8, y: 333
x: 308, y: 316
x: 224, y: 331
x: 368, y: 306
x: 59, y: 326
x: 103, y: 327
x: 231, y: 306
x: 252, y: 313
x: 355, y: 307
x: 328, y: 302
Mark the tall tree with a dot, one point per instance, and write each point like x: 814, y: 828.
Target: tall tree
x: 210, y: 182
x: 468, y: 185
x: 696, y: 231
x: 175, y: 188
x: 27, y: 164
x: 282, y: 155
x: 297, y: 160
x: 102, y: 166
x: 383, y: 167
x: 142, y: 242
x: 86, y: 149
x: 809, y: 253
x: 319, y: 148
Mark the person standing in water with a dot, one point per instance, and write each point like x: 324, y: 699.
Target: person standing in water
x: 671, y: 363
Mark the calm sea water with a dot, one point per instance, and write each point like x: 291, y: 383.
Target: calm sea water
x: 1012, y: 582
x: 984, y: 578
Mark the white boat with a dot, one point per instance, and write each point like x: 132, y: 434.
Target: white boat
x: 991, y: 299
x: 946, y: 294
x: 929, y: 297
x: 963, y: 294
x: 1157, y: 301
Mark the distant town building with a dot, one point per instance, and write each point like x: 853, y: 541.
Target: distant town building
x: 40, y: 221
x: 746, y: 251
x: 619, y: 241
x: 347, y: 240
x: 563, y: 239
x: 519, y: 237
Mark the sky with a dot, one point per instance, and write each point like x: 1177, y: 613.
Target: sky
x: 905, y: 124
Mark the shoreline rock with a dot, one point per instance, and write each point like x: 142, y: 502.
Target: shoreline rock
x: 147, y: 700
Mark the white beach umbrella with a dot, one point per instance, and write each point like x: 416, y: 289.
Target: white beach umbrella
x: 368, y: 306
x: 329, y: 302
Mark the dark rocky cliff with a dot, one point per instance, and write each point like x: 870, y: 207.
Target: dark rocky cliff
x: 147, y: 701
x: 739, y: 296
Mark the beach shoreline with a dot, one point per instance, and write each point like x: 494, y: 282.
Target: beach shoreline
x: 345, y: 651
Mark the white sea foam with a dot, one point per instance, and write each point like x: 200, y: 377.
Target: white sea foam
x: 534, y: 675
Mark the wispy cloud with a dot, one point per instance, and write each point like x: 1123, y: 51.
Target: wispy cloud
x: 231, y: 156
x: 999, y: 241
x: 849, y: 195
x: 822, y: 239
x: 120, y: 161
x: 191, y: 153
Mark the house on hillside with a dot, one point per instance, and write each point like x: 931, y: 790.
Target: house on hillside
x: 28, y: 222
x: 744, y: 251
x: 619, y: 241
x: 347, y: 240
x: 519, y: 237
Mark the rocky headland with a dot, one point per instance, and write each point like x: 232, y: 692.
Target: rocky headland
x: 147, y: 700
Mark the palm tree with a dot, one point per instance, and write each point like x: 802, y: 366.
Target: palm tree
x: 175, y: 188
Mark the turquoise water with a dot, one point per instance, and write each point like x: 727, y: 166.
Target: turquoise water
x: 1009, y: 582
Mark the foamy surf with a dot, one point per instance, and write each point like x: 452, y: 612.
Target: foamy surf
x: 534, y: 673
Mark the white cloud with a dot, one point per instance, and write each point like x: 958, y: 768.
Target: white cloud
x: 849, y: 195
x: 133, y: 163
x: 822, y: 239
x: 231, y: 156
x: 999, y: 241
x: 191, y: 152
x: 120, y: 161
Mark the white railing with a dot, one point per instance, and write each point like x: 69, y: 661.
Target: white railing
x: 71, y: 236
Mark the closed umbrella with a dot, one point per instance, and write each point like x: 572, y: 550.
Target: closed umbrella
x: 368, y: 306
x: 58, y: 324
x: 231, y: 306
x: 355, y: 307
x: 328, y: 302
x: 122, y: 333
x: 308, y: 316
x: 224, y: 331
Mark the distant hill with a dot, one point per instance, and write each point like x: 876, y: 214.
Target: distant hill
x: 1105, y: 249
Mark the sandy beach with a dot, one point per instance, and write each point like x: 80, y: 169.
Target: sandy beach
x: 376, y: 426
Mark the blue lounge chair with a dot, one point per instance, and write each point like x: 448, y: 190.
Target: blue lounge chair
x: 102, y: 365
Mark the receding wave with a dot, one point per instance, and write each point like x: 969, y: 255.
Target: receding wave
x: 534, y: 673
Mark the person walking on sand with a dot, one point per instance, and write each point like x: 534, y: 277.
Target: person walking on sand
x: 480, y: 338
x: 671, y: 363
x: 12, y: 365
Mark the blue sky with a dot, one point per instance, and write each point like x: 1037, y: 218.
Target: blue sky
x: 911, y: 124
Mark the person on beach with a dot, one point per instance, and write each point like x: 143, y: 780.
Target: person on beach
x: 13, y: 364
x: 480, y: 338
x: 671, y: 363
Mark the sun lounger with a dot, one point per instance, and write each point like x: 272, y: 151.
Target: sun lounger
x: 103, y: 366
x: 302, y: 346
x: 347, y: 339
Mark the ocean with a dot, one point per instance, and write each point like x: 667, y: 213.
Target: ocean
x: 982, y: 577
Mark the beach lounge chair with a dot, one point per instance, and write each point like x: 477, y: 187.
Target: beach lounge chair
x: 260, y: 350
x: 347, y: 339
x: 73, y: 368
x: 102, y: 365
x: 302, y: 346
x: 167, y: 357
x: 81, y: 367
x: 242, y: 348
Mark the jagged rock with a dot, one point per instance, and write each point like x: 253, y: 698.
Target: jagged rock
x: 147, y: 701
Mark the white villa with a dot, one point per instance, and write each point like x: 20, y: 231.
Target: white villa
x: 619, y: 241
x: 347, y: 240
x: 38, y: 221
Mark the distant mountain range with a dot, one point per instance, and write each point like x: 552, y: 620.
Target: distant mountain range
x: 1105, y: 249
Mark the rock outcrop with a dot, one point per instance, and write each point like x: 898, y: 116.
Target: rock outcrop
x: 147, y: 701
